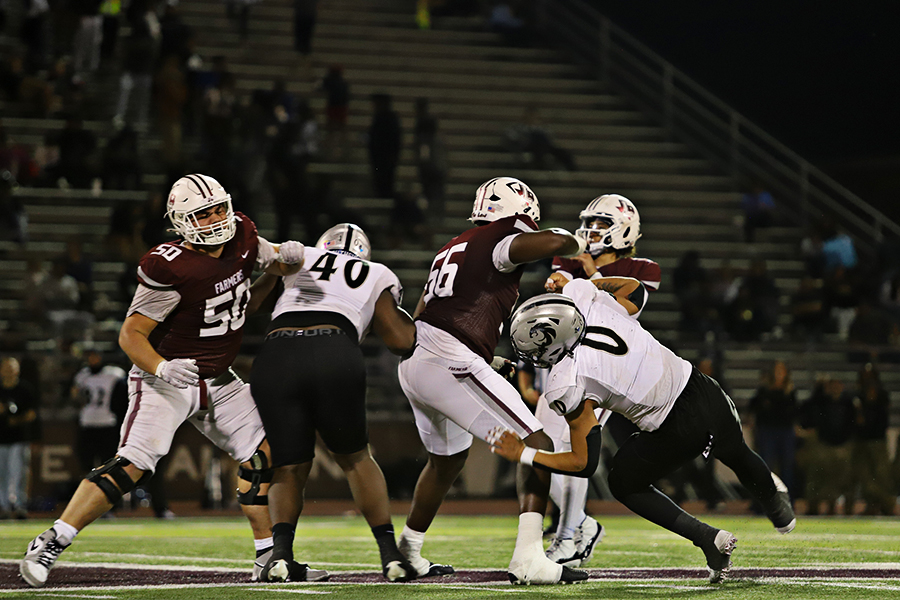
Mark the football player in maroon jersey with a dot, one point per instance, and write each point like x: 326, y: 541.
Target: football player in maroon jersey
x: 611, y: 225
x: 182, y: 332
x: 454, y: 392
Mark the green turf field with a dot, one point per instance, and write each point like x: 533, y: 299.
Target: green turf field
x: 345, y: 545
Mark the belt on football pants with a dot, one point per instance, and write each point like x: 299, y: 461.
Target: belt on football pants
x: 316, y: 330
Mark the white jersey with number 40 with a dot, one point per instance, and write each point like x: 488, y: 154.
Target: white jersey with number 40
x: 618, y: 364
x: 338, y: 283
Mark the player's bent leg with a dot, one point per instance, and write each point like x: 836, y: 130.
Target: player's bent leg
x: 96, y: 494
x: 370, y: 493
x: 434, y: 482
x: 254, y: 477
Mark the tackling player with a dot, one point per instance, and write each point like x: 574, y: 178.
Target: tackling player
x: 310, y: 377
x: 454, y: 392
x: 611, y: 225
x: 182, y: 332
x: 602, y: 358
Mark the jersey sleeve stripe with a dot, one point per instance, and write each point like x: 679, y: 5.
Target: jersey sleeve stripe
x: 523, y: 226
x: 150, y: 283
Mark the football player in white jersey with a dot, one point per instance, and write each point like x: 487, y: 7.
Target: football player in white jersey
x: 310, y: 377
x: 602, y: 358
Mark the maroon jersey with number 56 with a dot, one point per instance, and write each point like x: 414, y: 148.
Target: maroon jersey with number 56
x: 466, y: 295
x: 212, y: 294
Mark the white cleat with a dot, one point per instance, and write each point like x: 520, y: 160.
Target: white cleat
x: 563, y: 552
x: 40, y: 557
x: 587, y: 536
x: 718, y: 559
x: 278, y: 571
x: 534, y: 569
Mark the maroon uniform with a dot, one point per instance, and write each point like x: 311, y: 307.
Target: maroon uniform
x: 466, y: 295
x: 644, y: 270
x: 206, y: 324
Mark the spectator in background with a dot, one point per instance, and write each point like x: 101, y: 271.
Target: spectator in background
x: 122, y: 160
x: 758, y: 207
x: 88, y: 36
x: 304, y: 24
x: 35, y: 33
x: 842, y: 294
x: 871, y: 465
x: 828, y: 420
x: 294, y: 146
x: 837, y: 248
x: 110, y: 12
x: 774, y: 410
x: 77, y: 154
x: 385, y: 135
x: 690, y: 282
x: 809, y: 310
x: 174, y: 35
x: 19, y: 427
x: 504, y: 19
x: 870, y: 331
x: 170, y: 85
x: 13, y: 218
x: 337, y: 108
x: 755, y: 309
x: 530, y: 141
x: 52, y: 298
x: 81, y: 268
x: 101, y: 393
x: 136, y: 81
x: 431, y: 159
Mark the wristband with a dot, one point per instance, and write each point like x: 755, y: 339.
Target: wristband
x: 527, y: 456
x: 596, y: 276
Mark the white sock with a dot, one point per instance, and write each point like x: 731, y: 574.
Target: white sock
x: 263, y: 544
x: 65, y: 533
x: 571, y: 511
x: 530, y: 531
x: 412, y: 539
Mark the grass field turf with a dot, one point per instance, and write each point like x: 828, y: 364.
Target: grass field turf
x: 825, y: 548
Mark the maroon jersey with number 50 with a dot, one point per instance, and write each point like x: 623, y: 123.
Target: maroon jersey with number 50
x: 207, y: 322
x: 466, y: 295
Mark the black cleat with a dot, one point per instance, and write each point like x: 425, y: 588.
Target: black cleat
x: 779, y: 511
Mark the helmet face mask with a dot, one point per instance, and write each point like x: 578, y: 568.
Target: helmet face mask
x: 622, y: 218
x: 545, y: 329
x: 190, y: 202
x: 346, y: 238
x: 503, y: 197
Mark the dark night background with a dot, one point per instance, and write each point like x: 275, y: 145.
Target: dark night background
x: 821, y: 77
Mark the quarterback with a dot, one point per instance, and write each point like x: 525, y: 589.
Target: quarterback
x: 182, y: 332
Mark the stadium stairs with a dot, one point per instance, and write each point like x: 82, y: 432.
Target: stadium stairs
x: 477, y: 87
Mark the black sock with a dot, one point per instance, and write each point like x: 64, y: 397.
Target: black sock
x: 694, y: 529
x: 283, y: 539
x: 387, y: 544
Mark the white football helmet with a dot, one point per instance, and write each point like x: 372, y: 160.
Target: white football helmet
x: 622, y: 217
x: 346, y: 238
x: 192, y: 194
x: 545, y: 329
x: 503, y: 197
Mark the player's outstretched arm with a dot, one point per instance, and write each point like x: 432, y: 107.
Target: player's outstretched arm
x: 260, y: 290
x: 393, y: 324
x: 529, y: 247
x: 289, y: 258
x: 581, y: 461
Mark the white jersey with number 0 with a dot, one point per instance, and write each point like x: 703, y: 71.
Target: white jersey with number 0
x: 338, y: 283
x: 618, y: 364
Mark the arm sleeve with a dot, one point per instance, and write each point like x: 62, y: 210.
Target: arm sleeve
x: 154, y: 304
x: 501, y: 255
x: 266, y: 255
x: 593, y: 445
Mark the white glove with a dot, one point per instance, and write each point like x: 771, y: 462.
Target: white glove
x: 291, y: 252
x: 180, y: 372
x: 504, y: 366
x: 582, y: 243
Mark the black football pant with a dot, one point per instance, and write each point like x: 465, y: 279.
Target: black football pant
x: 703, y: 419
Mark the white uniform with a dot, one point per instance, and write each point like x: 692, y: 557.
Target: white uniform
x: 618, y: 364
x: 98, y: 388
x: 338, y: 283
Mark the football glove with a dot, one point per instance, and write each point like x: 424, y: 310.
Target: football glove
x: 291, y: 252
x: 180, y: 372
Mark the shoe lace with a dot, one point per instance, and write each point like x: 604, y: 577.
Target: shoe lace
x: 50, y: 553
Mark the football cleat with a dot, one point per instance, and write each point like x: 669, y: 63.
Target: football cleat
x: 534, y: 568
x: 779, y: 511
x: 422, y: 566
x: 40, y: 557
x: 718, y: 555
x: 563, y: 552
x: 280, y: 570
x: 587, y: 536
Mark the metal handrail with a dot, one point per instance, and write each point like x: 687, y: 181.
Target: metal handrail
x: 691, y: 113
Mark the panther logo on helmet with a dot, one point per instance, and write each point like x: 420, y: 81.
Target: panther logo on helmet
x: 620, y: 216
x: 545, y: 329
x: 503, y: 197
x: 191, y: 195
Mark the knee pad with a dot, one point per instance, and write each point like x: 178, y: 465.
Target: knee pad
x: 258, y: 473
x: 114, y: 468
